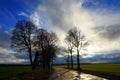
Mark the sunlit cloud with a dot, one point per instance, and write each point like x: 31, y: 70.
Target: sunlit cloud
x: 61, y: 15
x: 36, y: 19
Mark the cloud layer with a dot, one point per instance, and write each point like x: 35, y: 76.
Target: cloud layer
x: 100, y: 27
x: 98, y: 19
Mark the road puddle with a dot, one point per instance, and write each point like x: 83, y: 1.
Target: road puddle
x: 65, y: 74
x: 84, y: 76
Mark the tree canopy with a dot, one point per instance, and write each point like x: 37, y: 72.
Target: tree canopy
x: 26, y: 37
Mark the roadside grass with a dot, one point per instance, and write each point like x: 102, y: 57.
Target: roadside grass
x: 113, y: 69
x: 110, y: 71
x: 23, y: 73
x: 37, y: 74
x: 10, y: 71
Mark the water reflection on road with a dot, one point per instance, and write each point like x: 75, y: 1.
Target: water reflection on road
x: 84, y: 76
x: 66, y: 74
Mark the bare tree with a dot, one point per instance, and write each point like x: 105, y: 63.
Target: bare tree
x: 27, y: 38
x: 78, y: 40
x: 70, y: 47
x: 67, y: 59
x: 52, y: 47
x: 46, y: 45
x: 21, y: 39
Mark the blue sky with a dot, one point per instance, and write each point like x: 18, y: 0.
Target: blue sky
x: 10, y: 10
x: 107, y: 4
x: 98, y: 19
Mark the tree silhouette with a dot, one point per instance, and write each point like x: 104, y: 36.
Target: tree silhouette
x: 68, y: 57
x: 77, y: 38
x: 70, y: 47
x: 45, y: 43
x: 21, y: 39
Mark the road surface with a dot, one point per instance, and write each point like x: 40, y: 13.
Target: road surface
x: 66, y: 74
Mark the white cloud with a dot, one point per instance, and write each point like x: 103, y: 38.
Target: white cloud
x: 7, y: 57
x: 11, y: 60
x: 61, y: 15
x: 3, y: 51
x: 106, y: 19
x: 23, y: 14
x: 35, y: 18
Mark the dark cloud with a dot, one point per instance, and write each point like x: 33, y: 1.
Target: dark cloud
x: 11, y: 58
x: 106, y: 4
x: 4, y: 39
x: 110, y: 32
x: 22, y: 56
x: 103, y: 57
x: 3, y: 55
x: 112, y: 57
x: 54, y: 11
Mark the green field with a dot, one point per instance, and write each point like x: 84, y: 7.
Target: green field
x: 109, y: 71
x: 23, y: 73
x: 113, y: 69
x: 10, y: 71
x: 106, y: 70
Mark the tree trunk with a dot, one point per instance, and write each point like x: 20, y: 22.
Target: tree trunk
x: 71, y: 60
x: 44, y: 64
x: 49, y: 66
x: 68, y: 62
x: 78, y: 60
x: 30, y: 56
x: 52, y: 63
x: 35, y: 60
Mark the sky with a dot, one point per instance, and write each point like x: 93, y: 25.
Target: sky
x: 99, y: 20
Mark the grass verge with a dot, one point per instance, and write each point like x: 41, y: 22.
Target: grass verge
x: 24, y: 73
x: 11, y: 71
x: 109, y: 71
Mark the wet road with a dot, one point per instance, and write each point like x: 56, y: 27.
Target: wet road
x: 65, y: 74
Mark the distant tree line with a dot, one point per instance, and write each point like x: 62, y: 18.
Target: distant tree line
x: 42, y: 45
